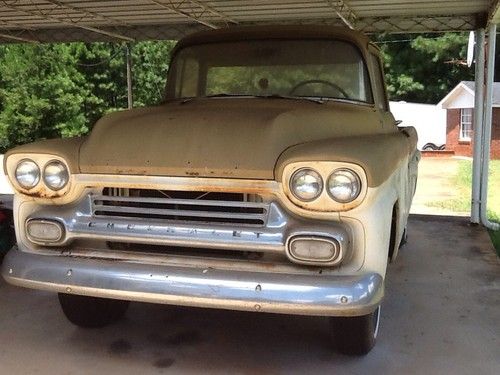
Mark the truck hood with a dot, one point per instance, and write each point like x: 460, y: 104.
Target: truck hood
x: 230, y: 138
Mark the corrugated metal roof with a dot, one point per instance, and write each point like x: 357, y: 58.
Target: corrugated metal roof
x: 89, y: 20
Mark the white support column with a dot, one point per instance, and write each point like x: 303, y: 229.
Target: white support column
x: 486, y: 139
x: 478, y: 126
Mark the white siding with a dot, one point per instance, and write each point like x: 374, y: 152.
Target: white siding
x: 461, y: 98
x: 428, y: 119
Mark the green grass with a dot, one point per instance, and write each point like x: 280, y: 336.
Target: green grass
x: 463, y: 183
x: 495, y: 235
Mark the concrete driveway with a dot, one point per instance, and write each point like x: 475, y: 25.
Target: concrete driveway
x: 435, y: 183
x: 441, y: 315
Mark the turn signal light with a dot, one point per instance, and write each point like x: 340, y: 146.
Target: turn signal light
x: 314, y: 250
x: 44, y: 231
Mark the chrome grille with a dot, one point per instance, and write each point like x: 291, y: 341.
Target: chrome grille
x: 166, y: 208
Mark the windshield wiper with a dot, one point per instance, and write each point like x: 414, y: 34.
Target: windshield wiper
x: 291, y: 97
x: 271, y: 96
x: 319, y: 100
x: 219, y: 95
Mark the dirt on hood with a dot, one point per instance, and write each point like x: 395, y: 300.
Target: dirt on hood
x: 217, y: 137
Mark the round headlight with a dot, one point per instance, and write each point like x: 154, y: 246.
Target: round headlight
x: 27, y: 174
x: 344, y: 185
x: 55, y: 175
x: 306, y: 184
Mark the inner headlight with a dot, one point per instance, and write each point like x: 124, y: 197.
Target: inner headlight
x: 27, y: 174
x: 55, y: 175
x: 344, y: 185
x: 306, y: 184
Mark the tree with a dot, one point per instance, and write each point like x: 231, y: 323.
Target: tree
x: 150, y: 65
x: 41, y: 94
x: 424, y: 68
x: 61, y: 90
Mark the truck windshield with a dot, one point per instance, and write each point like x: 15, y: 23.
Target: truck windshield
x: 325, y: 69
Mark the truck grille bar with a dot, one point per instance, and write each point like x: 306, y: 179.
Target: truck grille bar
x: 185, y: 210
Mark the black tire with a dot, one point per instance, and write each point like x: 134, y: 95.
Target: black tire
x: 92, y: 312
x: 404, y: 238
x: 429, y: 147
x: 355, y: 335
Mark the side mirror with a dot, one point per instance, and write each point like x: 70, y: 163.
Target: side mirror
x: 398, y: 122
x: 409, y: 131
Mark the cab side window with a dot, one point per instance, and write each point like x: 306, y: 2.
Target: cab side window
x: 187, y: 78
x: 379, y: 88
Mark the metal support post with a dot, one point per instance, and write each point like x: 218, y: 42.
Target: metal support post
x: 129, y: 76
x: 478, y: 126
x: 486, y: 139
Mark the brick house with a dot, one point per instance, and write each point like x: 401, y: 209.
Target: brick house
x: 459, y: 105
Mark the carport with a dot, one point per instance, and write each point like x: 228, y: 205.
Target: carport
x: 48, y: 21
x: 432, y: 322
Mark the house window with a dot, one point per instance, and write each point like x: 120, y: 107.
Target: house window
x: 465, y: 124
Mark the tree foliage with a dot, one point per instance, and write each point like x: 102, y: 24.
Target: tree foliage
x: 60, y: 90
x: 424, y: 68
x: 41, y: 94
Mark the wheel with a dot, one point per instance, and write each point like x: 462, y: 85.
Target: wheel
x: 355, y: 335
x: 429, y: 147
x: 404, y: 239
x: 92, y: 312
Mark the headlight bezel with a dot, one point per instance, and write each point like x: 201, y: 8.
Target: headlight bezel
x: 40, y: 190
x: 324, y: 203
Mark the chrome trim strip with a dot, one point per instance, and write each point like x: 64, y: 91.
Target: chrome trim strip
x: 169, y: 212
x: 177, y: 234
x: 323, y: 295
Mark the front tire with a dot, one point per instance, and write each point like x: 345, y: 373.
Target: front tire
x: 92, y: 312
x: 356, y: 335
x: 404, y: 238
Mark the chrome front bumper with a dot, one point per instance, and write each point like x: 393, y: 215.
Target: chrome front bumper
x: 303, y: 294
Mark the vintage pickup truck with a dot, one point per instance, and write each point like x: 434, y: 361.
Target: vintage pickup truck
x: 272, y: 178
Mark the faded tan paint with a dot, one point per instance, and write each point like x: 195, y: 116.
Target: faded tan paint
x: 228, y: 138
